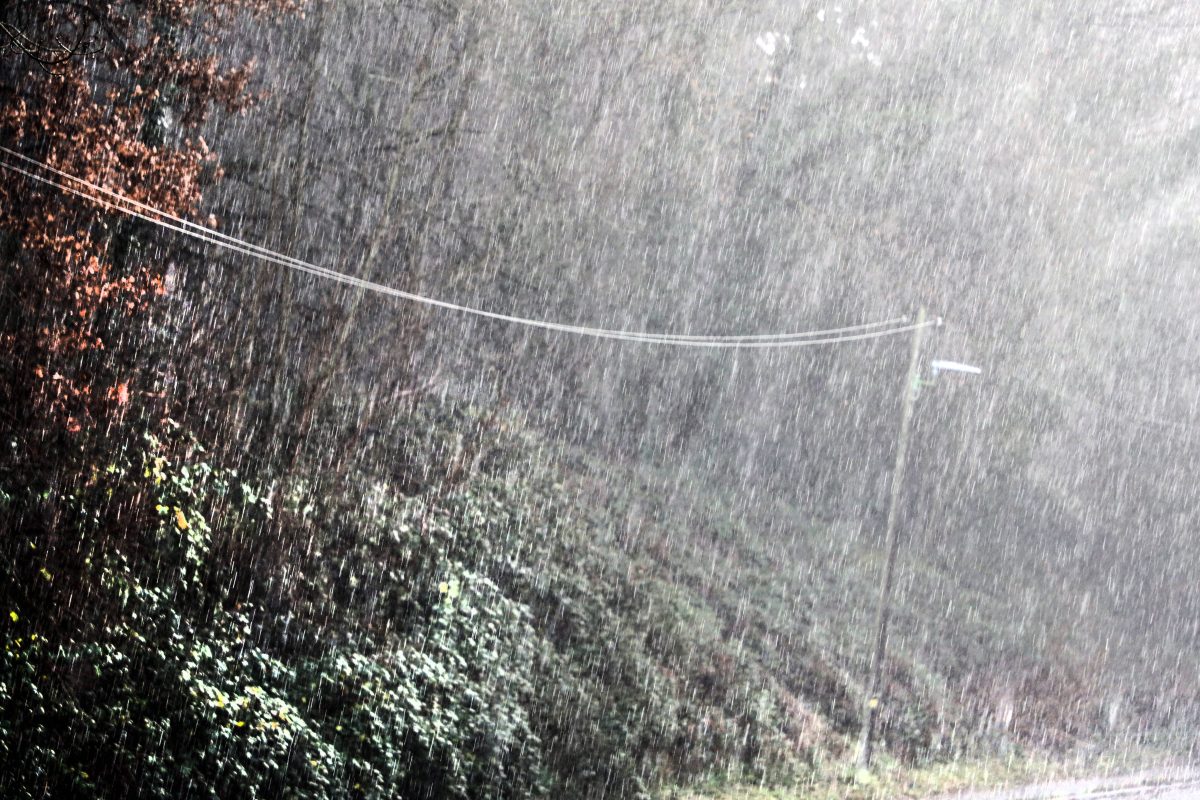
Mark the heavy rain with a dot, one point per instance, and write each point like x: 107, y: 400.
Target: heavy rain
x: 673, y: 400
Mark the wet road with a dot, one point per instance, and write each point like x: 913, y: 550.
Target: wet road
x: 1174, y: 785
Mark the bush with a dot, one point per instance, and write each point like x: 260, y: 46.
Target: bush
x: 128, y: 672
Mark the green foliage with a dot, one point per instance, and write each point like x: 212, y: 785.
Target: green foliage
x: 468, y: 628
x: 637, y: 684
x: 448, y: 710
x: 160, y: 686
x: 133, y: 688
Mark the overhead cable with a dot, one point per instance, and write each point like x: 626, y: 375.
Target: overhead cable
x: 126, y: 205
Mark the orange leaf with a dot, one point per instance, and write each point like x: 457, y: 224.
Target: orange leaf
x: 120, y: 393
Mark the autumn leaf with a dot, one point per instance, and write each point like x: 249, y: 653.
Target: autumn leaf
x: 120, y: 393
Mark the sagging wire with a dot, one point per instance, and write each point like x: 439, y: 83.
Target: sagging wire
x: 115, y: 201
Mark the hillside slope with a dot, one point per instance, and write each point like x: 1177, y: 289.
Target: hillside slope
x: 487, y: 617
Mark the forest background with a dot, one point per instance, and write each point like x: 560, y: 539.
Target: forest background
x: 271, y: 535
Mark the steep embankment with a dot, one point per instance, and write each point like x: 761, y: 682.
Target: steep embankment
x: 477, y: 615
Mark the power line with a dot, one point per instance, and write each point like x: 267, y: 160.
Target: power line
x: 134, y: 208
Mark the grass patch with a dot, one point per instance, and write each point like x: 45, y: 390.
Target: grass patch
x: 891, y: 780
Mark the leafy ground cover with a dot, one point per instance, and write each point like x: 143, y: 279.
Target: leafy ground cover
x: 523, y: 622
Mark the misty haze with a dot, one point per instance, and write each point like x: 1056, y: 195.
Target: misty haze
x: 674, y: 400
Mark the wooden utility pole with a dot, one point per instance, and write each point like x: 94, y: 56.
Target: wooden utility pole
x: 892, y: 544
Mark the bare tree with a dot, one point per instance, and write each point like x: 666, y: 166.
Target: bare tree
x: 48, y: 33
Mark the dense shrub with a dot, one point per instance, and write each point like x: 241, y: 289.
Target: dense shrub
x: 127, y: 672
x: 486, y: 639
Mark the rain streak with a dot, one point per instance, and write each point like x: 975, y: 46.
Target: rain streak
x: 613, y: 400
